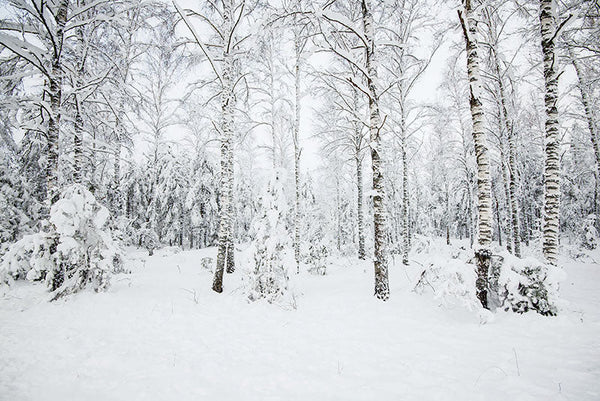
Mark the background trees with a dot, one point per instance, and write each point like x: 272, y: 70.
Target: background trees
x: 143, y: 102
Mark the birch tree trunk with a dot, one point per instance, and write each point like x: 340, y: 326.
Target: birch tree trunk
x: 552, y: 163
x: 359, y: 206
x: 55, y: 95
x: 512, y: 162
x: 118, y: 203
x: 589, y: 115
x: 404, y: 161
x: 506, y: 187
x: 359, y: 177
x: 382, y: 290
x: 53, y: 132
x: 78, y: 143
x: 230, y: 246
x: 514, y: 203
x: 225, y: 241
x: 78, y: 125
x: 297, y: 150
x: 482, y: 253
x: 405, y: 198
x: 513, y: 243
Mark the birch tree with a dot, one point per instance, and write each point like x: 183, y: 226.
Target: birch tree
x: 122, y: 52
x: 382, y: 290
x: 41, y: 45
x: 299, y: 45
x: 483, y: 253
x: 582, y: 47
x: 411, y: 19
x: 338, y: 33
x: 549, y: 31
x: 224, y: 23
x: 344, y: 129
x: 506, y: 125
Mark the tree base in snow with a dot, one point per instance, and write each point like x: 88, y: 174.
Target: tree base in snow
x: 483, y: 260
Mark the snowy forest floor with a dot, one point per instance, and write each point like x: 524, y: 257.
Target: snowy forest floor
x: 160, y: 333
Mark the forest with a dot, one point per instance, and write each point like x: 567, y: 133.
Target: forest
x: 284, y: 199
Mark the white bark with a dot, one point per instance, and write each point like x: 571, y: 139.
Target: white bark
x: 509, y: 171
x: 382, y: 290
x: 358, y: 139
x: 589, y: 114
x: 552, y: 162
x: 484, y: 206
x: 227, y: 125
x: 296, y: 140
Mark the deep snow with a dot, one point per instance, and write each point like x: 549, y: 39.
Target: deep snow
x: 160, y: 333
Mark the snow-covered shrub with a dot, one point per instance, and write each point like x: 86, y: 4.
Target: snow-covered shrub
x: 514, y: 284
x: 317, y: 258
x: 150, y: 240
x: 19, y: 208
x: 528, y: 284
x: 29, y: 258
x: 448, y: 272
x: 451, y: 281
x: 421, y: 244
x: 589, y: 236
x: 269, y: 278
x: 74, y: 252
x: 207, y: 263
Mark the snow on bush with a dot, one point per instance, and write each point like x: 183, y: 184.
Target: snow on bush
x: 269, y: 278
x: 529, y: 285
x: 518, y: 285
x: 450, y: 277
x: 316, y: 257
x: 589, y: 237
x: 150, y: 239
x: 76, y: 251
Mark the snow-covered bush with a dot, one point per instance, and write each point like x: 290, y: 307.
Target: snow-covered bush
x: 317, y: 258
x: 150, y: 240
x: 515, y: 284
x: 19, y: 208
x: 420, y: 244
x: 207, y: 263
x: 75, y: 251
x: 452, y: 281
x: 28, y: 258
x: 589, y: 236
x: 269, y: 278
x: 527, y: 284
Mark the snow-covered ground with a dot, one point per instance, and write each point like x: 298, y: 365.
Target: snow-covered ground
x: 160, y: 333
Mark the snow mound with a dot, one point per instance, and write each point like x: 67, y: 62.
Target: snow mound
x: 75, y: 251
x: 515, y: 284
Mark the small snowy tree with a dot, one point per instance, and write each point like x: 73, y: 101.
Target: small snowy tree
x: 589, y: 238
x: 79, y: 253
x: 269, y: 279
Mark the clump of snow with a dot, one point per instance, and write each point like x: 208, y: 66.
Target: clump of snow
x: 27, y: 258
x: 589, y: 237
x: 150, y: 239
x: 76, y: 250
x: 207, y: 263
x: 449, y: 276
x: 268, y: 279
x: 515, y: 284
x: 168, y: 251
x: 316, y: 258
x: 528, y: 284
